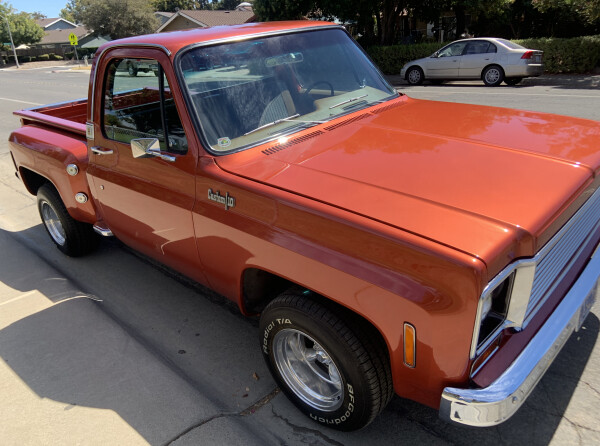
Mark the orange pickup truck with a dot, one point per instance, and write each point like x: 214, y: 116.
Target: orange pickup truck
x: 442, y: 252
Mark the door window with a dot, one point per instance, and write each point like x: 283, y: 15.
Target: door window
x: 480, y: 47
x: 456, y: 49
x: 138, y: 104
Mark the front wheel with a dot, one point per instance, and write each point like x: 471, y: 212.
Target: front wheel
x: 72, y: 237
x: 415, y: 76
x: 493, y: 76
x: 338, y: 376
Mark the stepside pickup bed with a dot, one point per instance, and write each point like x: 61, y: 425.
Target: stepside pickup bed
x: 443, y: 252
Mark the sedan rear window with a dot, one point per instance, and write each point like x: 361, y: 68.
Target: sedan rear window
x: 511, y: 45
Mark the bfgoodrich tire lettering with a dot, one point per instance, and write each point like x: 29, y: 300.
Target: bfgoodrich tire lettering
x: 339, y: 377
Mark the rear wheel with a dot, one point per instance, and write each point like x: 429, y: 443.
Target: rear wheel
x: 512, y: 80
x: 72, y: 237
x: 338, y: 376
x: 415, y: 76
x: 493, y: 76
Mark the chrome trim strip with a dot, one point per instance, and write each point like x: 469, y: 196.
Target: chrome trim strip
x: 112, y: 47
x: 500, y: 400
x: 254, y: 36
x: 104, y: 232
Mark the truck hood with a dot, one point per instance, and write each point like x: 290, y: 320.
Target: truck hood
x: 493, y: 183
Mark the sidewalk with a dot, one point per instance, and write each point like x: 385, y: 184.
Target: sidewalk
x: 73, y: 65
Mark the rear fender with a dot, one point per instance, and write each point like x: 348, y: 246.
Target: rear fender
x: 42, y: 155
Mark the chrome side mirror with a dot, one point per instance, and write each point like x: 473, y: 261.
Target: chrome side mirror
x: 145, y: 147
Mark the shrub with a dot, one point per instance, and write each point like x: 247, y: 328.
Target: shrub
x: 42, y: 57
x: 56, y: 57
x: 575, y: 55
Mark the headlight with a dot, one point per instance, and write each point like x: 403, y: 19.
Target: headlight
x: 493, y: 308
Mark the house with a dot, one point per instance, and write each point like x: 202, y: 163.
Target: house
x: 186, y: 19
x: 56, y: 37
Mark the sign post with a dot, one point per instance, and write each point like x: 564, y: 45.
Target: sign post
x: 73, y: 40
x: 11, y: 42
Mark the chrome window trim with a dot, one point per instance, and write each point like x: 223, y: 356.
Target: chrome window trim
x: 517, y: 317
x: 116, y: 46
x: 194, y: 116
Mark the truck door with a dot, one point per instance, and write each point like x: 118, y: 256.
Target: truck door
x: 145, y: 195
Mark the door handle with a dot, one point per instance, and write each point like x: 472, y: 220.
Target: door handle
x: 101, y: 151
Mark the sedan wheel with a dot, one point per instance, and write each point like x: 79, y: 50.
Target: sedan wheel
x: 493, y: 76
x: 414, y: 76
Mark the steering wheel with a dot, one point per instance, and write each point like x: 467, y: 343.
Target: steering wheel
x: 314, y: 84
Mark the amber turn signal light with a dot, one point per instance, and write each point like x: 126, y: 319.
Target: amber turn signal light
x: 410, y: 345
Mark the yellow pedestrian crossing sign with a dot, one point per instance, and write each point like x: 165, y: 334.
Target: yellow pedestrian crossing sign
x: 73, y: 39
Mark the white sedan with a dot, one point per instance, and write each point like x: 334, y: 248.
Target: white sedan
x: 490, y: 59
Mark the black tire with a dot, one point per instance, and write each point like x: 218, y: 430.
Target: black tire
x: 355, y: 361
x: 512, y: 80
x: 415, y: 76
x: 132, y: 70
x: 492, y: 76
x: 72, y: 237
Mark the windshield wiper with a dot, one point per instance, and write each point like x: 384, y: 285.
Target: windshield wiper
x: 348, y: 101
x: 270, y: 124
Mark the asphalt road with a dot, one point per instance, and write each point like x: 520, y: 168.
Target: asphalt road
x: 113, y: 349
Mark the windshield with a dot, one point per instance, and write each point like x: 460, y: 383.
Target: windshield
x: 249, y: 92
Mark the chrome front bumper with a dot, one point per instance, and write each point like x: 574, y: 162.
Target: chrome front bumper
x: 500, y: 400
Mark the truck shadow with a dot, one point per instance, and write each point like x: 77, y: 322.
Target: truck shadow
x: 164, y: 358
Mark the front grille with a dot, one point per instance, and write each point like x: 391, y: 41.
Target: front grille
x: 554, y: 260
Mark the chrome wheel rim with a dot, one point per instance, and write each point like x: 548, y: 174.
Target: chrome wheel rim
x: 308, y: 370
x: 414, y: 76
x: 53, y: 224
x: 492, y: 75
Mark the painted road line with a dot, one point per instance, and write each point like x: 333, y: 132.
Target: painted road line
x: 21, y: 102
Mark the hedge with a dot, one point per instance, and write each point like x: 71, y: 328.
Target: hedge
x: 575, y: 55
x: 43, y: 57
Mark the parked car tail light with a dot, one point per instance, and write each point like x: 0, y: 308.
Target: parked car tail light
x: 527, y: 55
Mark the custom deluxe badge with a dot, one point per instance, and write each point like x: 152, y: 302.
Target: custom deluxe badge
x: 226, y: 200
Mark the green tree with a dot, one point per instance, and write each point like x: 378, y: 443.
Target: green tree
x: 117, y: 18
x: 589, y: 10
x: 72, y: 11
x: 229, y: 4
x: 269, y: 10
x: 175, y: 5
x: 23, y: 28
